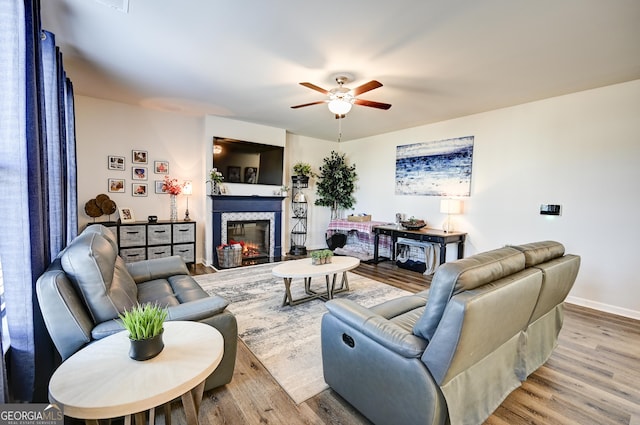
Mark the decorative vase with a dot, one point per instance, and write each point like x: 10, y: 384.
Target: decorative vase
x: 145, y: 349
x: 174, y: 208
x: 215, y: 189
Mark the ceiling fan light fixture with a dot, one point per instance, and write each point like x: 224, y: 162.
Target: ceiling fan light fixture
x: 339, y: 106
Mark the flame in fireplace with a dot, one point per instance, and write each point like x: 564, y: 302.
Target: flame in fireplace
x: 249, y: 249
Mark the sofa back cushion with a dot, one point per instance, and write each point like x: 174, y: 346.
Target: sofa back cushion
x: 100, y: 276
x: 105, y: 232
x: 540, y: 252
x: 462, y: 275
x: 559, y: 275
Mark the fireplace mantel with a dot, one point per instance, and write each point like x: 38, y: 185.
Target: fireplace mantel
x: 236, y: 204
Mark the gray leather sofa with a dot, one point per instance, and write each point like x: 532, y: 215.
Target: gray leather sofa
x: 88, y: 285
x: 453, y: 353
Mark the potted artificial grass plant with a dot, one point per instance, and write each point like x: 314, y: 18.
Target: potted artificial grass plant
x: 321, y: 256
x: 145, y: 324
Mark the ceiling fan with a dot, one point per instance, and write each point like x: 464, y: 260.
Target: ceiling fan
x: 340, y: 99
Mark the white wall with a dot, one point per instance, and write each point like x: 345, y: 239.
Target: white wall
x: 581, y: 151
x: 109, y: 128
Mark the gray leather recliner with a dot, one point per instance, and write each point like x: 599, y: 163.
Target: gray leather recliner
x: 88, y: 285
x: 453, y: 353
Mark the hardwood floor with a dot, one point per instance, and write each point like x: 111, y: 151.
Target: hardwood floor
x: 593, y: 377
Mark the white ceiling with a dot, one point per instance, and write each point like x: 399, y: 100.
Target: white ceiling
x: 437, y: 59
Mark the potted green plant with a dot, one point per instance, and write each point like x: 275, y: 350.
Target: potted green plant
x: 321, y: 256
x: 336, y: 184
x: 301, y: 174
x: 145, y: 324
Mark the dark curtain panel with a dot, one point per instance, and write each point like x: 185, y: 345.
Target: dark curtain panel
x: 38, y: 203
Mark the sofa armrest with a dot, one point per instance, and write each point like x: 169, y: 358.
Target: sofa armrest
x: 376, y: 327
x: 157, y: 268
x: 197, y: 309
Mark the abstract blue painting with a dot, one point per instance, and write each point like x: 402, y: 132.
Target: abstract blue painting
x: 440, y: 168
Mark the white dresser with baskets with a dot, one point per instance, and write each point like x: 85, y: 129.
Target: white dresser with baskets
x: 144, y: 241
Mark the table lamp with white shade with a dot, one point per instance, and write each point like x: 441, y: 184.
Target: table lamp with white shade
x: 449, y: 207
x: 187, y: 190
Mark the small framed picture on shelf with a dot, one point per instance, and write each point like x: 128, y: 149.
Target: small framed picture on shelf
x: 161, y: 167
x: 251, y: 175
x: 126, y: 215
x: 116, y: 185
x: 139, y: 189
x: 115, y: 162
x: 160, y: 186
x: 139, y: 157
x: 233, y: 174
x: 139, y: 173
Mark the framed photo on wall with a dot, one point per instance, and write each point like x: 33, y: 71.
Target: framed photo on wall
x: 233, y: 174
x: 139, y: 157
x: 126, y: 215
x: 161, y: 167
x: 139, y: 173
x: 116, y: 185
x: 251, y: 175
x: 160, y: 186
x: 115, y: 162
x: 139, y: 189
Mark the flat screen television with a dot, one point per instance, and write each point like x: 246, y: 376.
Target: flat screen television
x: 241, y: 161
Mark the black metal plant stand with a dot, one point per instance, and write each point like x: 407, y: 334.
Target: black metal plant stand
x: 299, y: 209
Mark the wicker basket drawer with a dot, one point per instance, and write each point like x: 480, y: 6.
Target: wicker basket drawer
x: 159, y: 234
x: 186, y: 251
x: 158, y: 251
x: 133, y: 235
x: 130, y: 255
x: 184, y: 232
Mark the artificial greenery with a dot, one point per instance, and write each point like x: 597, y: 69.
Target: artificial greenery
x: 322, y: 253
x: 302, y: 169
x: 144, y: 321
x: 336, y: 183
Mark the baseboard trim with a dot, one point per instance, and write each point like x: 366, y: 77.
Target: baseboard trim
x: 632, y: 314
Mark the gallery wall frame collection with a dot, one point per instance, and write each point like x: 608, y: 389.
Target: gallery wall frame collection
x: 139, y: 173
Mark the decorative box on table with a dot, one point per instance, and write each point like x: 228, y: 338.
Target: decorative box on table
x: 359, y: 218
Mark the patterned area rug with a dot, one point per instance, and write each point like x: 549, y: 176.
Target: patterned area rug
x: 286, y: 339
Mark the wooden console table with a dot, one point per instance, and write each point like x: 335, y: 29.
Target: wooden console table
x: 440, y: 237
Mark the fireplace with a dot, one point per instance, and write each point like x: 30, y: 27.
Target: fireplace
x: 253, y: 236
x: 254, y: 222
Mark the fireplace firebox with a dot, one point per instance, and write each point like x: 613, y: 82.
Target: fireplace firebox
x: 252, y: 235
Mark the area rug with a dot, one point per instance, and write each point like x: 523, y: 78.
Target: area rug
x: 286, y: 339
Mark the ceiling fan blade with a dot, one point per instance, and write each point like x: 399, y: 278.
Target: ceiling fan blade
x: 309, y: 104
x: 372, y: 104
x: 373, y: 84
x: 314, y: 87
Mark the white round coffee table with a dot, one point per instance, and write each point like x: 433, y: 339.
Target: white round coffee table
x: 303, y: 268
x: 100, y: 381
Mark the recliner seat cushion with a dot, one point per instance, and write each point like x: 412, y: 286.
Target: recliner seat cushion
x: 462, y: 275
x: 100, y: 276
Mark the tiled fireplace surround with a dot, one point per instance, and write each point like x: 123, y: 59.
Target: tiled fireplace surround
x: 235, y: 208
